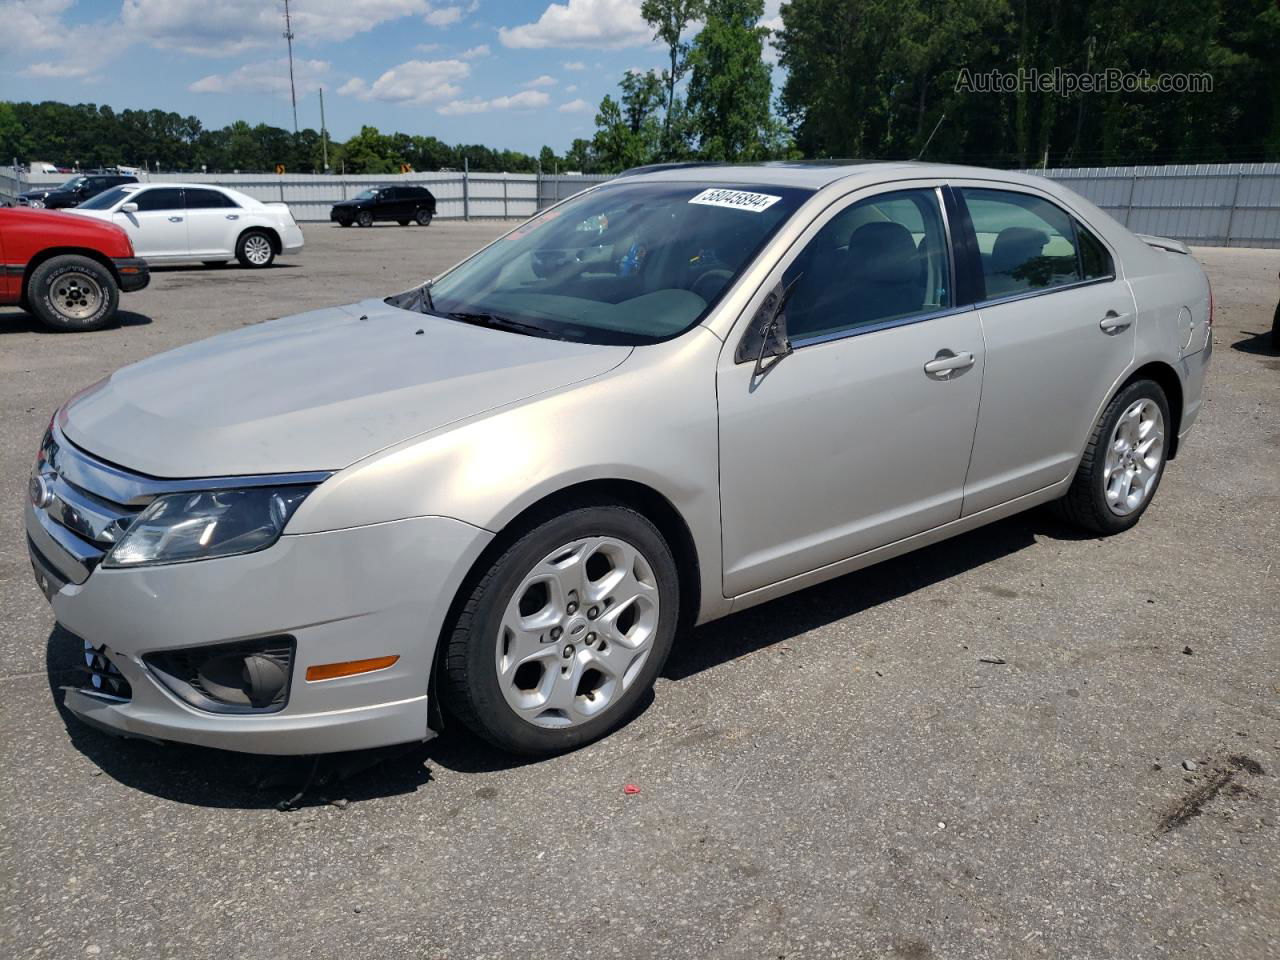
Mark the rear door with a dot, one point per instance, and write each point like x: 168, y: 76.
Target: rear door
x: 1059, y: 329
x: 158, y: 228
x: 213, y: 223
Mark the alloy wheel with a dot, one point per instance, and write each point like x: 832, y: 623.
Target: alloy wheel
x: 257, y: 250
x: 577, y: 632
x: 75, y: 295
x: 1134, y: 457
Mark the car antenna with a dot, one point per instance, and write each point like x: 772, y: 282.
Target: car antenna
x: 930, y: 140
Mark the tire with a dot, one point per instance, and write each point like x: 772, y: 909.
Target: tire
x: 344, y: 223
x: 1089, y: 502
x: 255, y: 250
x: 72, y: 293
x: 403, y: 223
x: 364, y: 218
x: 602, y: 652
x: 423, y: 217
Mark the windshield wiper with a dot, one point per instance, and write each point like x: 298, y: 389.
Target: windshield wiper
x: 496, y: 322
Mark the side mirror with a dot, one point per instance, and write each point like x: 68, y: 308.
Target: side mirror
x: 767, y: 335
x: 129, y: 207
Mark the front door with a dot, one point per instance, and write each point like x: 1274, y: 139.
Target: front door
x: 1059, y: 330
x: 158, y: 228
x: 862, y: 436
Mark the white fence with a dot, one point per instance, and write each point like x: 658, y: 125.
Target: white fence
x: 309, y: 196
x: 1231, y: 205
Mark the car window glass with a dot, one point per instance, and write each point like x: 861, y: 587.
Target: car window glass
x: 627, y: 263
x: 159, y: 198
x: 208, y: 200
x: 1026, y: 243
x: 1095, y: 261
x: 878, y: 260
x: 105, y: 200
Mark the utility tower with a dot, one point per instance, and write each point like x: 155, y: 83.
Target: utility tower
x: 288, y: 35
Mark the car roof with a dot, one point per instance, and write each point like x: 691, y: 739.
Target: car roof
x: 816, y: 174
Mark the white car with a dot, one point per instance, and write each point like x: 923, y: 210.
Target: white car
x: 170, y: 222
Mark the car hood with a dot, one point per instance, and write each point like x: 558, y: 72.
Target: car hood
x: 313, y: 392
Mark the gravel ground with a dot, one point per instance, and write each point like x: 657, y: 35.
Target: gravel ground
x: 836, y: 774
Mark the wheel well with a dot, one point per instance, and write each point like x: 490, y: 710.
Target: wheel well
x: 271, y: 235
x: 1167, y: 378
x: 52, y: 252
x: 646, y: 501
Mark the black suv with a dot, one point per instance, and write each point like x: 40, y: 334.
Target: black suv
x: 404, y: 205
x: 75, y: 191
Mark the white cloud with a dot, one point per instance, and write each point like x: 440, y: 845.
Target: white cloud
x: 574, y: 65
x: 582, y: 23
x: 265, y: 76
x: 543, y: 81
x: 481, y: 51
x: 525, y: 100
x: 571, y: 88
x: 574, y: 106
x: 427, y: 47
x: 415, y: 81
x: 57, y: 70
x: 224, y: 27
x: 443, y: 16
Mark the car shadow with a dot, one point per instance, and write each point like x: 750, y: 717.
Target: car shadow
x: 1261, y: 344
x: 19, y: 321
x: 230, y: 267
x: 202, y: 776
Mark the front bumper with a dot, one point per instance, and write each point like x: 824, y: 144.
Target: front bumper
x: 344, y: 595
x: 132, y: 273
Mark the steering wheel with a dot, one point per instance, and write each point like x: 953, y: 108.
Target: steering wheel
x: 711, y: 283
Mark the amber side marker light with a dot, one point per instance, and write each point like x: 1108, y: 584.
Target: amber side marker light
x: 349, y: 668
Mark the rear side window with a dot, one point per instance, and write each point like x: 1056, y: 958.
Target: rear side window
x: 1026, y: 243
x: 208, y: 200
x: 1095, y: 261
x: 159, y: 198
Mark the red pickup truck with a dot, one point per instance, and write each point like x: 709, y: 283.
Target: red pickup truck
x: 66, y: 270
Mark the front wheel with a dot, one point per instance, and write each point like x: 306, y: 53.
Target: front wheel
x: 560, y: 639
x: 255, y: 249
x: 1123, y: 461
x: 423, y: 217
x: 72, y: 293
x: 364, y: 218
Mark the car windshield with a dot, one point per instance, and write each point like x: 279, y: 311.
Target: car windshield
x: 366, y: 194
x: 106, y: 200
x: 72, y: 183
x: 631, y: 263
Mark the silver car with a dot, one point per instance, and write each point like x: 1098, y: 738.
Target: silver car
x: 501, y: 497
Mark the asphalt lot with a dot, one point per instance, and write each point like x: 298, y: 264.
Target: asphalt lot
x: 836, y: 774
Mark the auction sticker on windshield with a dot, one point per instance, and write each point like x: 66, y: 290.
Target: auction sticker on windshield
x: 735, y: 199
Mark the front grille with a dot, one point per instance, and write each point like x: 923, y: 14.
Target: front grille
x: 102, y: 677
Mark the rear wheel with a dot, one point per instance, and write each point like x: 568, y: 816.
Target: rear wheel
x: 344, y: 223
x: 403, y: 223
x: 364, y: 218
x: 423, y: 217
x: 557, y: 643
x: 255, y: 249
x: 1123, y: 461
x: 71, y: 293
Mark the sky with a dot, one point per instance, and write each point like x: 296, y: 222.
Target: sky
x: 511, y: 74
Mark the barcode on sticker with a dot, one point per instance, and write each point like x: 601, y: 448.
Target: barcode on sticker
x: 736, y: 199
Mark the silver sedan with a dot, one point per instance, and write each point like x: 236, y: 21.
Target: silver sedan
x: 499, y: 498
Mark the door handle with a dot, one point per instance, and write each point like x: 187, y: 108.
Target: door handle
x: 947, y: 363
x: 233, y: 216
x: 175, y: 219
x: 1113, y: 322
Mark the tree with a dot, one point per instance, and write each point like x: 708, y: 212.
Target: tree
x: 729, y: 85
x: 670, y: 19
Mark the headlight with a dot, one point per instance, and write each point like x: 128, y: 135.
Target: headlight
x: 35, y: 203
x: 179, y: 527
